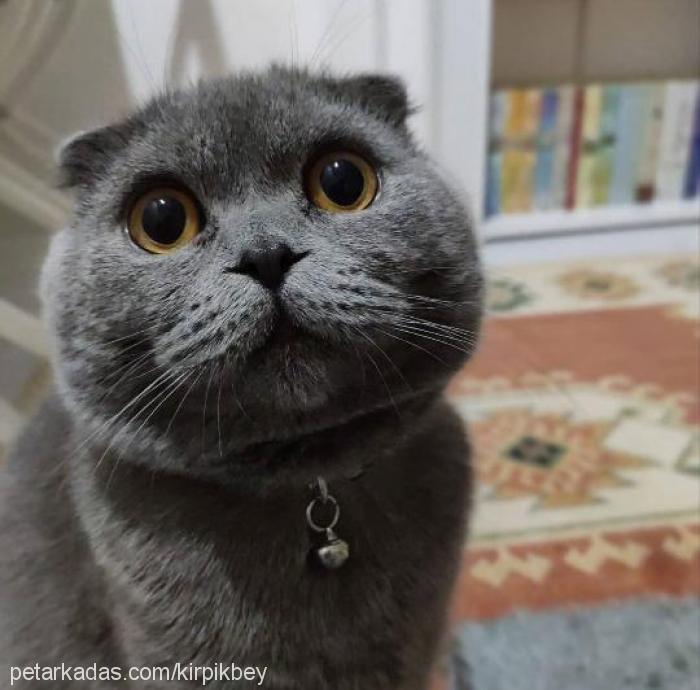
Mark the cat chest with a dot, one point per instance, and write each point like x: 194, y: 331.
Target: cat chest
x: 294, y: 618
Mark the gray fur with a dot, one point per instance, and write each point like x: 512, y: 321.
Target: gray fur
x: 172, y: 528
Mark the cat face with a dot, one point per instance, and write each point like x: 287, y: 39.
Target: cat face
x: 254, y: 259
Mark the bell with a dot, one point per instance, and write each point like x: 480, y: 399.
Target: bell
x: 333, y: 554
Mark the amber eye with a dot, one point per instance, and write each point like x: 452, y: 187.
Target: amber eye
x: 341, y: 181
x: 163, y: 220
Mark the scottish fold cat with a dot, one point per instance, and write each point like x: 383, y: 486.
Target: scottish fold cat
x: 247, y: 459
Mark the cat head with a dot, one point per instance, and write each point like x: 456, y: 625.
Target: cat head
x: 252, y: 260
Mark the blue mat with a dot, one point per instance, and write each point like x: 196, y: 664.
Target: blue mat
x: 644, y: 645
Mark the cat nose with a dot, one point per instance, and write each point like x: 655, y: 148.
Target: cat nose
x: 268, y: 265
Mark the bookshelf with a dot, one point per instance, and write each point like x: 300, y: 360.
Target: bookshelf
x: 635, y: 216
x: 542, y: 43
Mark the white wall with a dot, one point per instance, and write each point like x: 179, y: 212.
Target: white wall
x: 113, y: 54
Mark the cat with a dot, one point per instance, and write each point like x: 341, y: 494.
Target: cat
x: 261, y: 296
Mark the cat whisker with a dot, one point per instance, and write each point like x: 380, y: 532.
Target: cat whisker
x: 350, y: 28
x: 157, y: 402
x: 212, y: 369
x: 148, y: 329
x: 361, y: 361
x: 238, y: 402
x: 431, y: 329
x: 455, y: 331
x: 445, y: 302
x: 415, y: 345
x: 379, y: 372
x: 417, y: 271
x: 163, y: 379
x: 182, y: 402
x: 111, y: 420
x: 123, y: 372
x: 422, y: 334
x: 218, y: 411
x: 325, y: 38
x: 161, y: 399
x: 389, y: 360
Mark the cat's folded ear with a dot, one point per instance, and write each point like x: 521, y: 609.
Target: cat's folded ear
x: 85, y: 156
x: 381, y: 94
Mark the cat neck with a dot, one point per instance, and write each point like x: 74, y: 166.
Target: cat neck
x: 337, y: 452
x: 186, y: 556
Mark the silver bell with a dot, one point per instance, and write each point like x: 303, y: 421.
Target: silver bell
x: 333, y: 554
x: 335, y: 551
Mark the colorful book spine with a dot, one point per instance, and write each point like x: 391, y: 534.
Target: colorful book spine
x: 601, y: 174
x: 630, y: 120
x: 546, y: 141
x: 653, y: 111
x: 562, y: 148
x: 676, y: 132
x: 519, y: 150
x: 691, y: 188
x: 574, y: 148
x: 588, y: 147
x: 499, y: 102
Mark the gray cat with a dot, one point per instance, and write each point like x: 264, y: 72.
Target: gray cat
x: 264, y: 289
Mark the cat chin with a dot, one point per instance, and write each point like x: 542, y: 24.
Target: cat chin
x: 287, y: 380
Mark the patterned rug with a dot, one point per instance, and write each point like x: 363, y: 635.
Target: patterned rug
x: 583, y: 409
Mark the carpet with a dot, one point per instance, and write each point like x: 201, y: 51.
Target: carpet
x: 602, y: 648
x: 583, y: 408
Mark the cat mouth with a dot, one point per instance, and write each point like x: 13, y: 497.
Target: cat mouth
x: 285, y: 337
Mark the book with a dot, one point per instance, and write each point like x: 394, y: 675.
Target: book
x: 580, y: 147
x: 518, y: 150
x: 588, y: 146
x: 574, y: 147
x: 628, y: 128
x: 546, y: 142
x: 562, y: 146
x: 497, y: 115
x: 675, y: 138
x: 602, y: 167
x: 691, y: 187
x: 652, y: 119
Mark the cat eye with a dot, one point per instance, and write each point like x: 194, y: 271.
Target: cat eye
x: 163, y: 220
x: 341, y: 181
